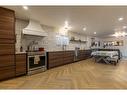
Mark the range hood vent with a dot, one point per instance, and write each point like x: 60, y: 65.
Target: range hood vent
x: 34, y: 29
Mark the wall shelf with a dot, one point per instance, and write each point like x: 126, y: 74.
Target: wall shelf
x: 78, y: 41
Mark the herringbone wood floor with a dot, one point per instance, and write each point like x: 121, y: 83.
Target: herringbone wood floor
x: 80, y: 75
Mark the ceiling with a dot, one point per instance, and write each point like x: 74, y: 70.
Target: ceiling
x: 100, y: 19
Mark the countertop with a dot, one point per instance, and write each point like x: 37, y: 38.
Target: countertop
x: 20, y: 52
x: 65, y: 50
x: 50, y: 51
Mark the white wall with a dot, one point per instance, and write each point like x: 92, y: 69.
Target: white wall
x: 49, y: 42
x: 123, y: 48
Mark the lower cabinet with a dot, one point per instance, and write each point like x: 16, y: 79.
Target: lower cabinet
x: 68, y: 57
x: 7, y: 72
x: 21, y: 64
x: 7, y: 66
x: 59, y: 58
x: 84, y: 54
x: 12, y: 65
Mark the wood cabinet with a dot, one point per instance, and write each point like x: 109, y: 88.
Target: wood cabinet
x: 21, y: 64
x: 7, y: 60
x: 7, y: 25
x: 7, y: 72
x: 88, y: 53
x: 59, y: 58
x: 55, y: 59
x: 7, y: 49
x: 68, y: 57
x: 7, y: 43
x: 84, y: 54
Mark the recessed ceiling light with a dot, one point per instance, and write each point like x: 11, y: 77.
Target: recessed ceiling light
x: 84, y: 29
x: 25, y: 7
x: 120, y: 19
x: 95, y: 32
x: 124, y: 27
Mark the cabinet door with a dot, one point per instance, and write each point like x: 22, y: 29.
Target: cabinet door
x: 7, y: 60
x: 68, y: 57
x: 7, y: 49
x: 7, y: 72
x: 21, y: 67
x: 55, y: 59
x: 7, y: 24
x: 55, y: 63
x: 68, y: 60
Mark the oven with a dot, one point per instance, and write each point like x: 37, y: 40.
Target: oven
x: 36, y: 62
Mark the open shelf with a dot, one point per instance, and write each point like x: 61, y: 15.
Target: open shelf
x: 78, y: 41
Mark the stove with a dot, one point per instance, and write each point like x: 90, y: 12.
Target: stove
x: 36, y: 62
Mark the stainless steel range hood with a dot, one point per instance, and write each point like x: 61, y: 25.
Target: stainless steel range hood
x: 34, y: 29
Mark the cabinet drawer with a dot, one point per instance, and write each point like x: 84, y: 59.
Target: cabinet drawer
x: 67, y: 61
x: 54, y: 56
x: 54, y: 63
x: 21, y: 69
x: 7, y: 60
x: 56, y: 60
x: 66, y: 56
x: 7, y: 72
x: 18, y: 64
x: 7, y: 49
x: 20, y: 58
x: 51, y: 57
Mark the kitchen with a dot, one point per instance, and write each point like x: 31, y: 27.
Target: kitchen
x: 35, y: 43
x: 30, y: 44
x: 48, y: 41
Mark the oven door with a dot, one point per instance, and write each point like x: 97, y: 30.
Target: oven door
x: 36, y: 61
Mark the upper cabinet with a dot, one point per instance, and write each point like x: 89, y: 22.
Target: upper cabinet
x: 7, y: 26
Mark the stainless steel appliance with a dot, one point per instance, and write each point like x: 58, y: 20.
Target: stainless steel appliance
x: 76, y: 53
x: 36, y: 62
